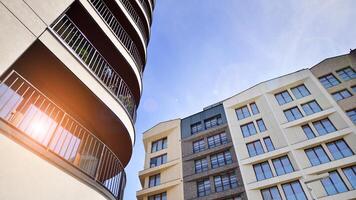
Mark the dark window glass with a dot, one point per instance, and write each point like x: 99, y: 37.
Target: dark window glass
x: 158, y: 145
x: 154, y: 180
x: 213, y: 121
x: 333, y: 184
x: 311, y: 107
x: 283, y: 97
x: 255, y: 148
x: 308, y: 131
x: 220, y: 159
x: 300, y: 91
x: 350, y: 173
x: 342, y: 94
x: 329, y: 81
x: 203, y: 188
x: 242, y: 113
x: 354, y: 88
x: 254, y: 108
x: 261, y: 125
x: 262, y: 171
x: 347, y: 73
x: 268, y: 143
x: 197, y: 127
x: 317, y: 155
x: 201, y: 165
x: 161, y: 196
x: 225, y: 182
x: 352, y: 115
x: 271, y: 194
x: 159, y: 160
x: 217, y: 140
x: 324, y: 126
x: 339, y: 149
x: 293, y: 114
x: 294, y: 191
x: 248, y: 129
x: 198, y: 146
x: 282, y: 165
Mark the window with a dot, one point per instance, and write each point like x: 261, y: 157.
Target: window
x: 350, y: 173
x: 248, y: 129
x: 262, y: 171
x: 293, y: 114
x: 220, y: 159
x: 282, y: 165
x: 212, y: 122
x: 255, y: 148
x: 268, y: 143
x: 225, y: 182
x: 317, y: 155
x: 161, y: 196
x: 352, y: 115
x: 283, y: 97
x: 329, y: 81
x: 324, y: 126
x: 271, y: 193
x: 197, y: 127
x: 201, y: 165
x: 254, y: 108
x: 203, y: 187
x: 311, y: 107
x: 333, y: 184
x: 339, y: 149
x: 159, y: 160
x: 154, y: 180
x: 342, y: 94
x: 294, y: 191
x: 347, y: 73
x: 308, y: 131
x: 242, y: 113
x: 198, y: 146
x: 353, y: 88
x: 158, y: 145
x: 217, y: 140
x: 261, y: 125
x: 300, y: 91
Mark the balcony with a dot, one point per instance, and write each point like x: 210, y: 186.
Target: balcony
x: 147, y: 10
x: 38, y: 118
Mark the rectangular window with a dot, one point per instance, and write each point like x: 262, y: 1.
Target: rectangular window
x: 308, y: 131
x: 294, y: 191
x: 293, y: 114
x: 352, y: 115
x: 333, y: 184
x: 324, y: 126
x: 329, y: 81
x: 213, y: 121
x: 254, y: 108
x: 195, y: 128
x: 300, y: 91
x: 161, y: 196
x: 261, y: 125
x: 159, y: 145
x: 154, y: 180
x: 255, y: 148
x: 346, y: 74
x: 282, y: 165
x: 283, y: 97
x: 262, y: 171
x: 342, y: 94
x: 248, y: 129
x: 268, y: 143
x: 271, y: 193
x: 220, y: 159
x: 242, y: 113
x: 159, y: 160
x: 198, y: 146
x: 339, y: 149
x: 217, y: 140
x: 350, y: 173
x: 201, y: 165
x: 317, y: 155
x: 203, y: 187
x: 311, y: 107
x: 225, y: 182
x: 353, y: 88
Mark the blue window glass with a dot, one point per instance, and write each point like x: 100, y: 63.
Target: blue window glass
x: 282, y: 165
x: 254, y: 108
x: 342, y: 94
x: 350, y: 173
x: 248, y: 129
x: 268, y: 143
x: 262, y: 171
x: 347, y: 73
x: 317, y: 155
x: 242, y: 113
x: 255, y: 148
x: 333, y: 184
x: 294, y: 191
x: 339, y: 149
x: 271, y: 194
x: 300, y: 91
x: 329, y: 81
x: 293, y: 114
x: 352, y: 115
x: 308, y: 131
x: 311, y: 107
x: 324, y: 126
x: 283, y: 97
x: 261, y: 125
x: 203, y: 187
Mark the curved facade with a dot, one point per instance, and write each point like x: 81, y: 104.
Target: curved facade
x: 71, y: 82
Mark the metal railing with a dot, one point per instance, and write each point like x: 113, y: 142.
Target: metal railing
x: 39, y: 118
x: 119, y: 31
x: 81, y: 47
x: 147, y: 9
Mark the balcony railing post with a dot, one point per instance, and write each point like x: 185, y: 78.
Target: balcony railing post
x: 99, y: 164
x: 54, y: 131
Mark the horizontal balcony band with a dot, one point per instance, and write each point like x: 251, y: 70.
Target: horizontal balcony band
x: 147, y: 10
x: 69, y: 34
x: 36, y: 116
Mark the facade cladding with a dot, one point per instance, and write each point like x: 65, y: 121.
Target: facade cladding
x: 292, y: 137
x: 71, y: 81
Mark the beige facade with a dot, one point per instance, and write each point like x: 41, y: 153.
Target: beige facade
x: 265, y: 169
x: 170, y: 185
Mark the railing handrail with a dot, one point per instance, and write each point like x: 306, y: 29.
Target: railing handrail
x: 146, y: 9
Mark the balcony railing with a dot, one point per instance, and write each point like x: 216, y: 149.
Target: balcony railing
x: 147, y: 9
x: 36, y: 116
x: 81, y: 47
x: 119, y: 31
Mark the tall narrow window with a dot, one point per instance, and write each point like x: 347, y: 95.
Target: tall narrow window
x: 159, y: 145
x: 342, y: 94
x: 283, y: 97
x: 308, y: 131
x: 201, y: 165
x: 282, y: 165
x: 300, y: 91
x: 352, y: 115
x: 293, y: 114
x: 294, y: 191
x: 254, y: 108
x: 161, y: 196
x: 203, y: 187
x: 339, y: 149
x: 329, y: 81
x: 255, y: 148
x: 198, y: 146
x: 324, y: 126
x: 268, y: 143
x: 225, y: 182
x: 261, y: 125
x: 271, y: 193
x: 220, y: 159
x: 195, y: 128
x: 317, y: 155
x: 333, y: 184
x: 262, y: 171
x: 154, y: 180
x: 242, y: 113
x: 311, y: 107
x: 248, y: 129
x: 159, y: 160
x: 350, y: 173
x: 347, y: 73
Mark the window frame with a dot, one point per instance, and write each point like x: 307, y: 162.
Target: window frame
x: 298, y: 93
x: 293, y: 114
x: 283, y: 100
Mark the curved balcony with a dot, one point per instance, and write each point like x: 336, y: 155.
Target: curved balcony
x: 147, y: 10
x: 49, y: 126
x: 90, y: 57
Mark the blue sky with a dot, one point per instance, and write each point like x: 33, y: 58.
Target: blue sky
x: 203, y: 51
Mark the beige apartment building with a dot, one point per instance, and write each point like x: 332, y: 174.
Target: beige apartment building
x: 70, y: 83
x: 162, y: 177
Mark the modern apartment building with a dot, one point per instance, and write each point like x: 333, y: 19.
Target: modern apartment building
x: 71, y: 81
